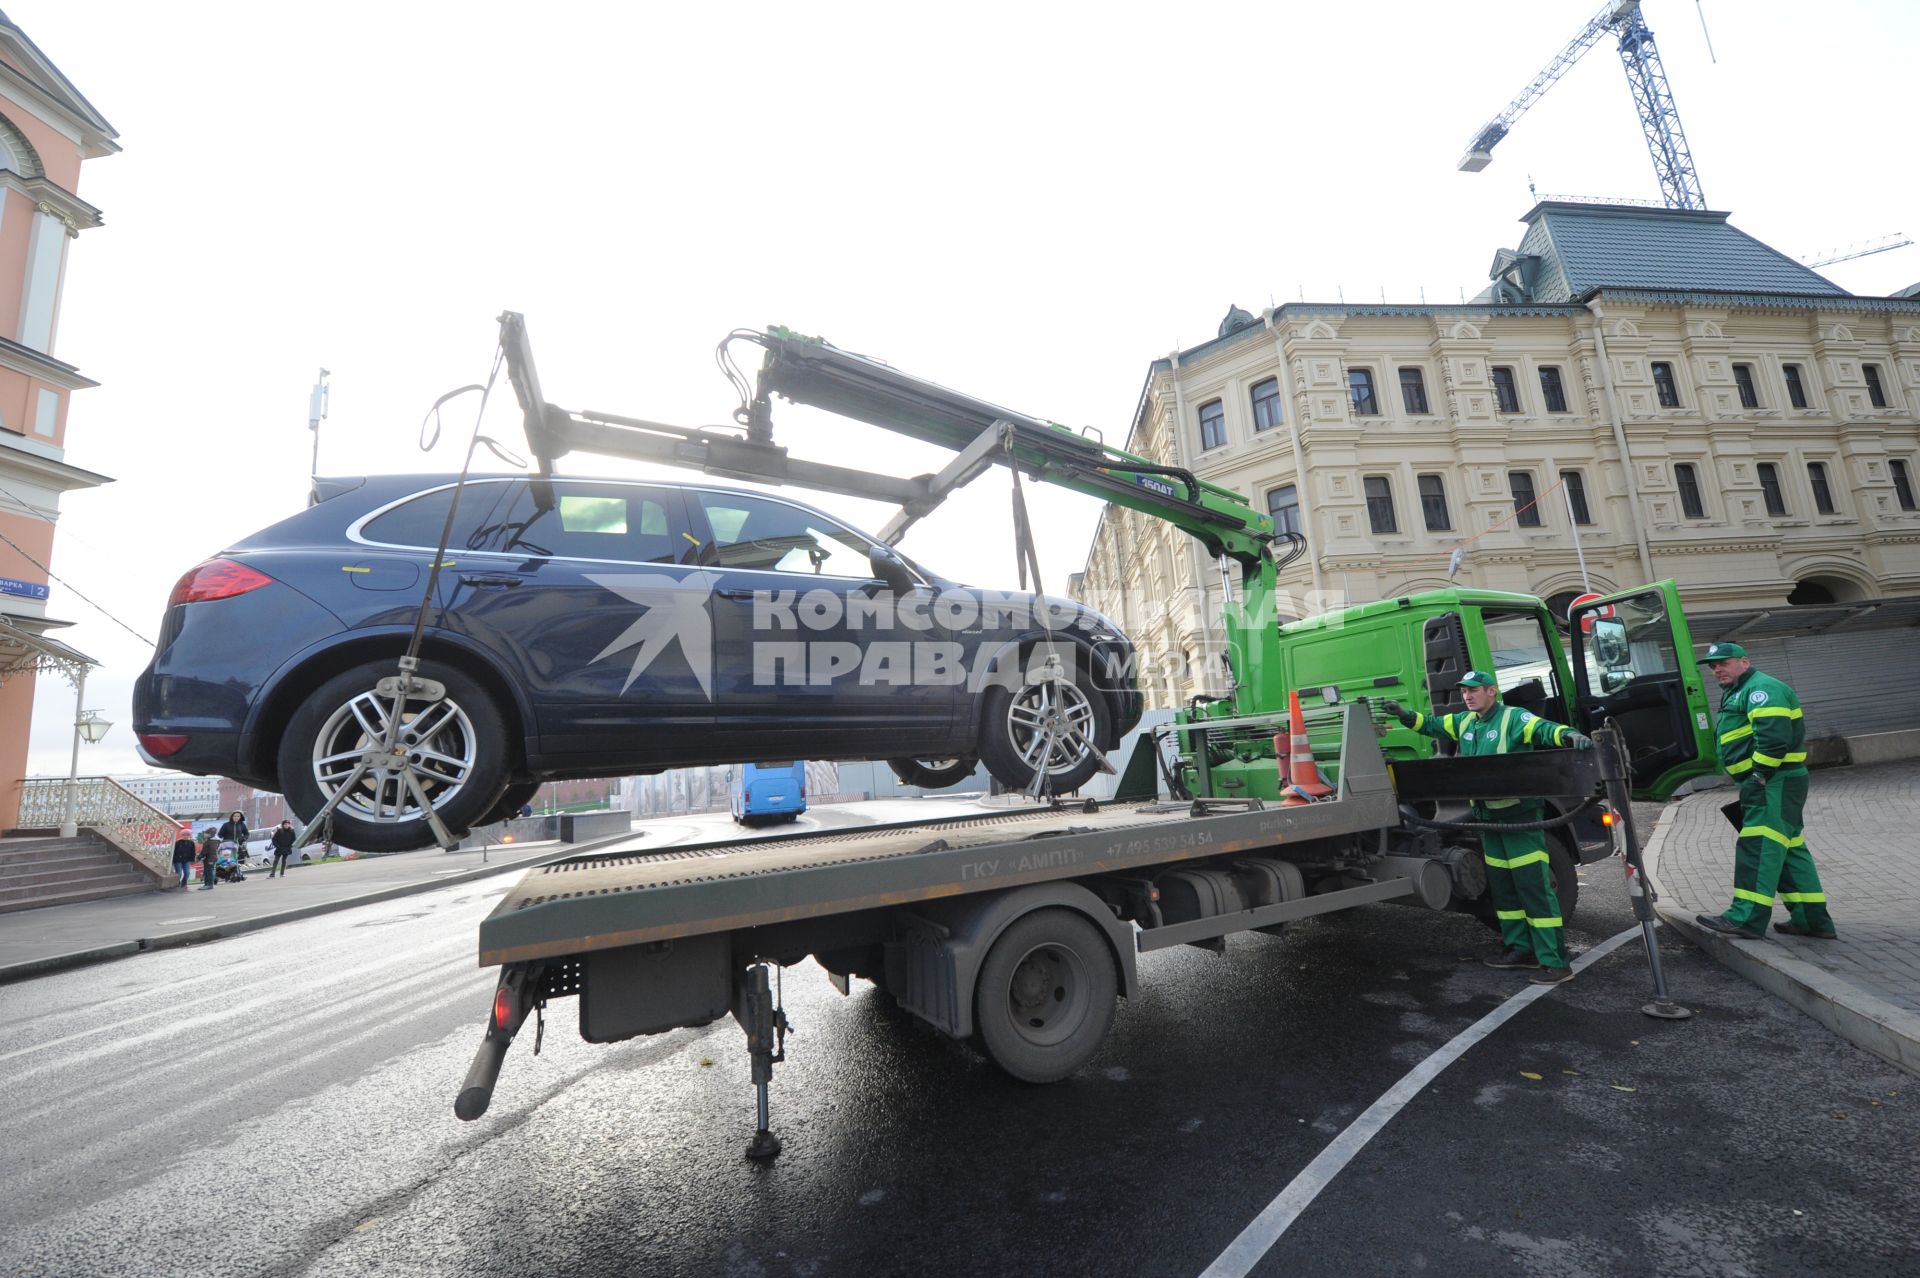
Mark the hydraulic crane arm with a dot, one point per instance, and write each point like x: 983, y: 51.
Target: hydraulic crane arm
x: 809, y: 371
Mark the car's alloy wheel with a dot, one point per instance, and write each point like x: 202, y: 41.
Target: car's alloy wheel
x: 455, y: 747
x: 1050, y: 726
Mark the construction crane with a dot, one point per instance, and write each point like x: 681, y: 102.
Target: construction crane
x: 1652, y: 98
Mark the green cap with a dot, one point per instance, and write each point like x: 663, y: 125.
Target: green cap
x: 1478, y: 679
x: 1724, y: 652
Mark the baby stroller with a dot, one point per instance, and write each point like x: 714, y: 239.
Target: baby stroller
x: 226, y: 869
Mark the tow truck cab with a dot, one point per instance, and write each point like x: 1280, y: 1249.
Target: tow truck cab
x: 1631, y: 664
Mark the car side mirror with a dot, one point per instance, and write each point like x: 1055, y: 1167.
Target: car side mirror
x: 890, y: 568
x: 1614, y: 680
x: 1610, y: 645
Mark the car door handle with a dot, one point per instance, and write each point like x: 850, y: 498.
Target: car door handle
x: 735, y: 593
x: 489, y: 579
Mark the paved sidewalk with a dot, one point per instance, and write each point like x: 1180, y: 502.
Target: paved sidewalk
x: 1863, y: 828
x: 33, y: 942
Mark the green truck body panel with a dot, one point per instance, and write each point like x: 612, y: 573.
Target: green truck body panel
x: 1415, y: 648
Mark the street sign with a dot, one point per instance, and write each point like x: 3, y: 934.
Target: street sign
x: 24, y: 589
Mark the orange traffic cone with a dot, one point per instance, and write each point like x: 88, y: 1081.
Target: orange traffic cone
x: 1307, y: 785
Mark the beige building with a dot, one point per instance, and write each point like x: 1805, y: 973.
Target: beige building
x: 1650, y: 389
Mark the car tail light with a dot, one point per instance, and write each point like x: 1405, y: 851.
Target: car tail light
x: 162, y: 744
x: 502, y: 1008
x: 216, y: 579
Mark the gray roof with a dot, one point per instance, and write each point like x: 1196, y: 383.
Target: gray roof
x: 1586, y: 247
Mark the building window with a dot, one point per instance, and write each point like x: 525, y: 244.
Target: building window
x: 1266, y: 404
x: 1213, y: 425
x: 1553, y: 390
x: 1665, y: 387
x: 1380, y: 504
x: 1413, y: 392
x: 1688, y: 482
x: 1822, y: 490
x: 1770, y: 488
x: 1526, y: 510
x: 1796, y: 389
x: 1283, y: 503
x: 1505, y: 394
x: 1433, y: 503
x: 1360, y: 390
x: 1743, y: 378
x: 1577, y: 495
x: 1875, y: 391
x: 1902, y: 484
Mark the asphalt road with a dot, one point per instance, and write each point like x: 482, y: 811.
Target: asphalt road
x: 281, y: 1103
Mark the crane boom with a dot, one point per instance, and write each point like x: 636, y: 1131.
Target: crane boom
x: 1652, y: 99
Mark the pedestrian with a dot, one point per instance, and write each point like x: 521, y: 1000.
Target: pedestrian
x: 183, y: 855
x: 234, y: 830
x: 1519, y: 872
x: 282, y: 849
x: 209, y: 858
x: 1763, y: 745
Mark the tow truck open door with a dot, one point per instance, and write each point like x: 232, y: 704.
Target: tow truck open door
x: 1633, y: 666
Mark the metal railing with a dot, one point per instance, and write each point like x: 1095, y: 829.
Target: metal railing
x: 107, y: 808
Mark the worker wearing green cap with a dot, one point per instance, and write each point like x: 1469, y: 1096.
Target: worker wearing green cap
x: 1763, y: 747
x: 1518, y: 871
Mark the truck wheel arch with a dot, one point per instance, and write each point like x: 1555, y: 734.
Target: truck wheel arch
x: 933, y: 974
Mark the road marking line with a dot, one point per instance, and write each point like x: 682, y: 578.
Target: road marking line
x: 1244, y: 1252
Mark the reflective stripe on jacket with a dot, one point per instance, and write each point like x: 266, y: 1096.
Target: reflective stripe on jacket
x: 1760, y: 726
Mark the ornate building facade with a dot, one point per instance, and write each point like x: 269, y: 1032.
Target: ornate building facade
x: 47, y: 131
x: 1639, y: 394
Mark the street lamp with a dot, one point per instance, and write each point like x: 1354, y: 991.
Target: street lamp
x: 88, y: 724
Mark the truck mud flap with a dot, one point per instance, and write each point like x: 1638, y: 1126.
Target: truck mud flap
x: 654, y: 987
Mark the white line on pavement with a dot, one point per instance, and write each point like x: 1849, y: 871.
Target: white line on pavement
x: 1244, y: 1252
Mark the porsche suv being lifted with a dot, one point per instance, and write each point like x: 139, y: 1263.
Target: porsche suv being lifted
x: 602, y: 627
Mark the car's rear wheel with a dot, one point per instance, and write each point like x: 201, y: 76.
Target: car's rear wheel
x: 933, y: 774
x: 456, y: 748
x: 1050, y: 725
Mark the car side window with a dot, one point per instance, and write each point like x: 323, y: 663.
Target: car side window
x: 417, y: 522
x: 771, y: 536
x: 573, y: 519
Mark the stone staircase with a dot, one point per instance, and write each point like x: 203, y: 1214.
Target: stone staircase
x: 54, y: 871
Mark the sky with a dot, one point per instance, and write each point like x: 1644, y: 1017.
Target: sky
x: 1025, y: 202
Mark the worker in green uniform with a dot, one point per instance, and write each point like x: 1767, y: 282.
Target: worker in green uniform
x: 1763, y: 746
x: 1518, y: 871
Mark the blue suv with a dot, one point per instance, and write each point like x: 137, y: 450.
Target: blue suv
x: 603, y: 627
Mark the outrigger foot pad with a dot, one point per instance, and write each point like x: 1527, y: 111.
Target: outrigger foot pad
x: 764, y: 1147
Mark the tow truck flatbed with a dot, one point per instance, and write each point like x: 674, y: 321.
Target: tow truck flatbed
x: 607, y: 901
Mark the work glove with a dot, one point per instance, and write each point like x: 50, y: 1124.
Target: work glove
x: 1398, y: 711
x: 1580, y: 741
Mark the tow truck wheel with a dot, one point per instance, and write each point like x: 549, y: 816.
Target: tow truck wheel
x: 933, y: 774
x: 1014, y: 733
x: 1044, y: 999
x: 456, y: 746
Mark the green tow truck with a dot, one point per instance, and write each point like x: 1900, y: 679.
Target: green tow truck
x: 1018, y: 930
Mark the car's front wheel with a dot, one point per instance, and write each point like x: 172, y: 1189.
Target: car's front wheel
x: 1051, y: 726
x: 455, y: 747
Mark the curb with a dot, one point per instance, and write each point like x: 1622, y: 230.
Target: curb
x: 1863, y: 1019
x: 240, y: 927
